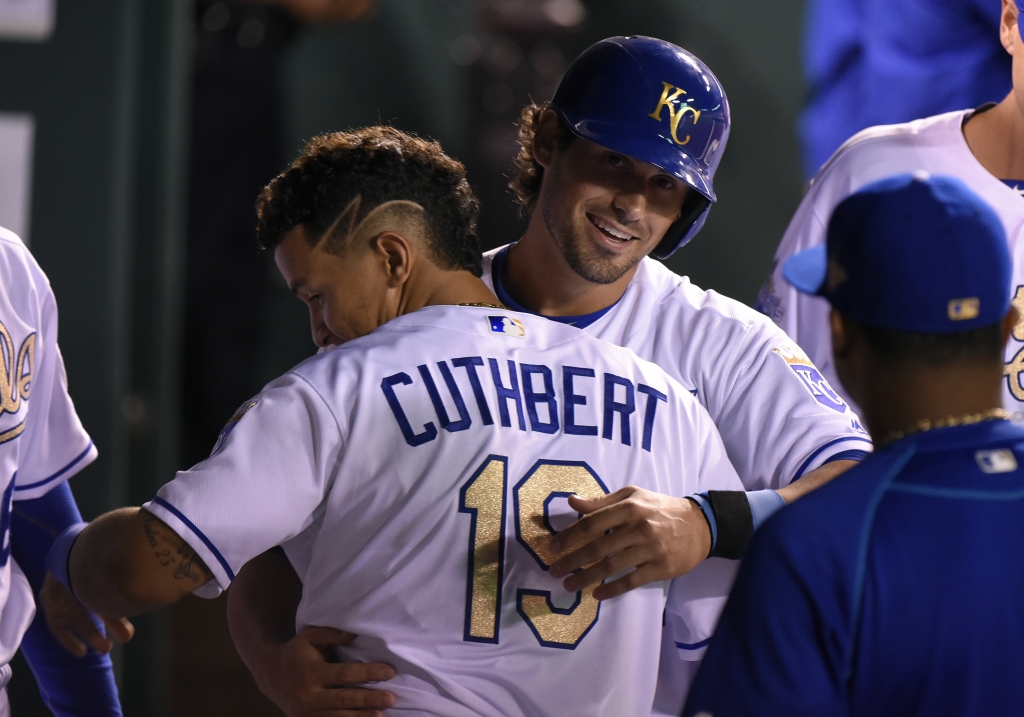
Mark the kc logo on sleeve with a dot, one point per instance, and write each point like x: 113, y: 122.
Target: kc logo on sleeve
x: 16, y: 369
x: 230, y: 426
x: 508, y: 326
x: 811, y: 377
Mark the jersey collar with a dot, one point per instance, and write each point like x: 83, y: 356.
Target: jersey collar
x: 580, y: 322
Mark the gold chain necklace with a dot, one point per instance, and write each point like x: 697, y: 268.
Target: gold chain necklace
x: 992, y: 414
x: 482, y: 305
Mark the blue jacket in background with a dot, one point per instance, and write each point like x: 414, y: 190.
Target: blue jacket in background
x: 873, y: 62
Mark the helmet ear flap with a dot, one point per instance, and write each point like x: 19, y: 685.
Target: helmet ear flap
x: 695, y: 206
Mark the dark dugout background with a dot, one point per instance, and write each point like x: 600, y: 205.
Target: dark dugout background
x: 146, y: 167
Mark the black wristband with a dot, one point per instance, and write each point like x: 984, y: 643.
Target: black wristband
x: 735, y: 523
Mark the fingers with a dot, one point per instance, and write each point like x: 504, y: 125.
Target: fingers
x: 638, y: 578
x: 95, y: 638
x: 589, y: 505
x: 324, y: 637
x: 356, y: 698
x: 592, y: 552
x: 357, y: 673
x: 121, y: 628
x: 592, y: 526
x: 612, y: 565
x: 69, y: 641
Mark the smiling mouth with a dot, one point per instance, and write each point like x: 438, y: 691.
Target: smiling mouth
x: 615, y: 235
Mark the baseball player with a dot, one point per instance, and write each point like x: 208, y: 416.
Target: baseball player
x: 618, y: 166
x: 981, y: 147
x: 416, y: 473
x: 896, y: 589
x: 42, y: 444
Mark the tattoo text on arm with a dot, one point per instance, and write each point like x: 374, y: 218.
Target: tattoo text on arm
x: 171, y: 551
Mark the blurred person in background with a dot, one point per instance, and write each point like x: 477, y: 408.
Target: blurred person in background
x: 875, y: 62
x: 896, y: 589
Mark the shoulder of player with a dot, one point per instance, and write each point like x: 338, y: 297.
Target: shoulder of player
x: 699, y: 313
x: 870, y: 142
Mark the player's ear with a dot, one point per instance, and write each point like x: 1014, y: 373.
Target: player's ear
x: 1008, y: 26
x: 546, y: 137
x: 840, y: 334
x: 1009, y: 322
x: 395, y: 254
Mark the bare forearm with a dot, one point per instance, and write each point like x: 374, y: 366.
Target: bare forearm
x: 128, y: 561
x: 261, y: 607
x: 815, y: 479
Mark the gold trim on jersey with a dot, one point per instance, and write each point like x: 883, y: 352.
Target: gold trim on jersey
x: 12, y: 433
x: 15, y: 370
x: 1015, y: 366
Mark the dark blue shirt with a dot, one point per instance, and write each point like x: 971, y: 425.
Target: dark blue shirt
x: 897, y: 589
x: 872, y: 62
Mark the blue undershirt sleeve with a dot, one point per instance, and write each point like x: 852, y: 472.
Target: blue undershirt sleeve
x: 70, y: 686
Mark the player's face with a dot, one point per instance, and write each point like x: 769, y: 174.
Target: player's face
x: 347, y: 297
x: 605, y: 210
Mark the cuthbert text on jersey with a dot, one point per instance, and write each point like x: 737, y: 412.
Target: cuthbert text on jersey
x: 530, y: 388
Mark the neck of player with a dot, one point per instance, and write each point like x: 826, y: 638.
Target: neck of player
x: 537, y: 276
x: 896, y: 399
x: 433, y: 286
x: 996, y: 139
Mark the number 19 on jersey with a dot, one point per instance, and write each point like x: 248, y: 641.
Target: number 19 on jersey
x: 484, y: 497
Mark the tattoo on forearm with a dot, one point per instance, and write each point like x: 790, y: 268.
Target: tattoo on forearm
x: 171, y: 551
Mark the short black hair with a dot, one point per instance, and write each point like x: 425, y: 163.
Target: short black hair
x: 374, y: 165
x: 527, y: 174
x: 933, y: 349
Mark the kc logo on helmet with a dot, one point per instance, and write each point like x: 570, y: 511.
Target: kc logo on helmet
x: 677, y: 109
x: 812, y: 378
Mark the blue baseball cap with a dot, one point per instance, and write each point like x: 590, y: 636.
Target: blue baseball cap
x: 913, y: 252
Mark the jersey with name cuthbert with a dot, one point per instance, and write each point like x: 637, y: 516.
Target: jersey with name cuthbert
x: 415, y: 477
x: 778, y: 418
x: 935, y: 145
x: 42, y: 442
x: 894, y: 590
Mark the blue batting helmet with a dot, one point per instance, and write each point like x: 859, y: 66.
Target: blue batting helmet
x: 655, y: 102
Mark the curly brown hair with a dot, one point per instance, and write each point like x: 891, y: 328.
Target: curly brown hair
x: 374, y: 165
x: 527, y: 173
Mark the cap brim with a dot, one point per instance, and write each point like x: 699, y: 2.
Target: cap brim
x: 806, y: 270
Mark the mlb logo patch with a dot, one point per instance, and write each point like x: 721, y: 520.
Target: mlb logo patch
x: 963, y: 309
x: 1000, y: 460
x: 507, y: 325
x: 811, y: 377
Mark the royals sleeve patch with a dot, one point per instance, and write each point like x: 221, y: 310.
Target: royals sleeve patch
x: 230, y: 426
x: 810, y: 376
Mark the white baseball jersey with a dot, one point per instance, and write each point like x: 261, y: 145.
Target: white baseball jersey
x: 777, y: 416
x: 935, y: 145
x: 42, y: 442
x: 415, y: 477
